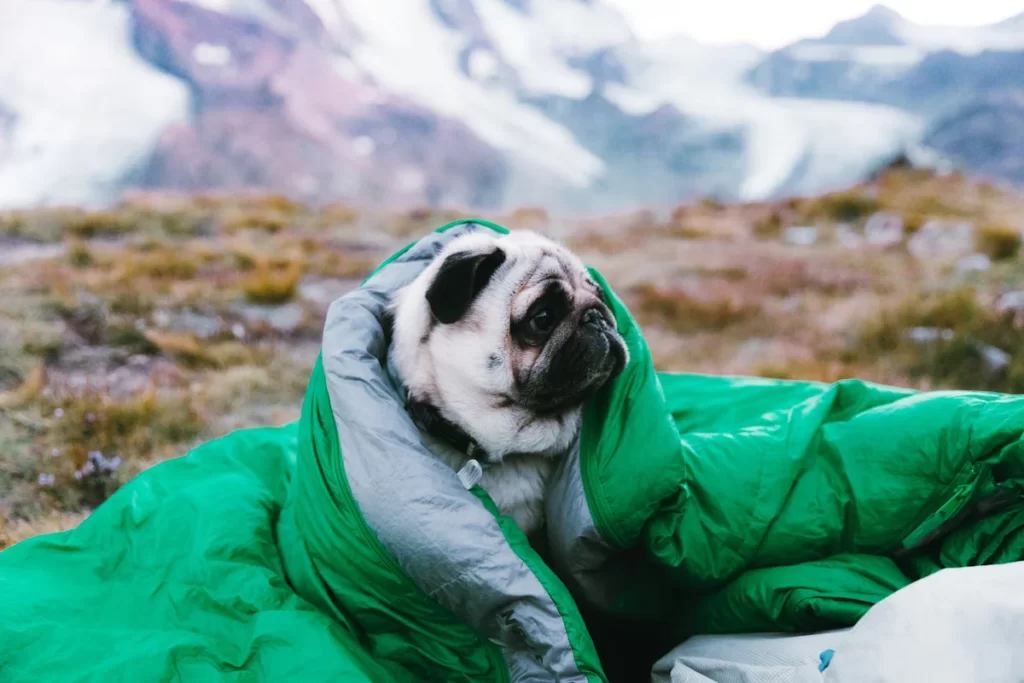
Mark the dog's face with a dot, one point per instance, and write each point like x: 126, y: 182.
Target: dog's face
x: 507, y: 337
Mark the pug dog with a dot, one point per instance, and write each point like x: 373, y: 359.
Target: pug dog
x: 499, y: 342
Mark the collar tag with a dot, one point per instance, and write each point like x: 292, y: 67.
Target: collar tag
x: 471, y: 474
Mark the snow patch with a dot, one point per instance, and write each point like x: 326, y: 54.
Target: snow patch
x: 331, y: 16
x: 526, y: 44
x: 682, y: 61
x: 88, y: 108
x: 409, y: 53
x: 918, y: 41
x: 347, y: 69
x: 411, y: 179
x: 630, y: 100
x: 222, y: 6
x: 363, y: 146
x: 845, y: 141
x: 874, y: 55
x: 539, y: 44
x: 260, y: 11
x: 964, y: 39
x: 209, y: 54
x: 483, y: 65
x: 368, y: 96
x: 819, y: 144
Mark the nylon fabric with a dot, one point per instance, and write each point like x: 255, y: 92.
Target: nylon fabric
x: 807, y: 503
x: 438, y: 533
x: 963, y: 624
x: 748, y: 658
x: 337, y: 549
x: 175, y: 577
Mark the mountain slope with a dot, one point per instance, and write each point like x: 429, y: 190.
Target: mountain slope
x: 276, y: 107
x: 986, y: 136
x: 405, y: 50
x: 866, y: 58
x: 957, y: 81
x: 475, y: 103
x: 791, y: 145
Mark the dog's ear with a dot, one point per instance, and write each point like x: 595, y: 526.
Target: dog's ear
x: 461, y: 278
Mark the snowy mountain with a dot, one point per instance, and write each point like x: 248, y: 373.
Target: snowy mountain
x: 869, y: 57
x: 789, y: 145
x: 476, y: 103
x: 986, y: 136
x: 955, y: 80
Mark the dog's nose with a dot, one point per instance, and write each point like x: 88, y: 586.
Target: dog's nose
x: 593, y: 317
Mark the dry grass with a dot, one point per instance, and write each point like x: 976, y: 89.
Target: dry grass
x: 999, y: 242
x: 529, y: 218
x: 154, y: 329
x: 27, y: 390
x: 272, y: 223
x: 95, y: 436
x: 137, y: 424
x: 787, y: 277
x: 79, y: 254
x: 768, y: 227
x: 102, y: 372
x: 843, y: 207
x: 164, y: 263
x: 337, y: 214
x: 960, y: 325
x: 415, y: 223
x: 100, y: 224
x: 273, y: 283
x: 337, y: 263
x: 815, y: 371
x: 15, y: 530
x: 600, y: 242
x: 683, y: 312
x: 190, y: 352
x: 913, y: 221
x: 689, y: 231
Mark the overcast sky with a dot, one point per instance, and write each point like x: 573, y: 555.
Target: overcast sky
x: 774, y: 23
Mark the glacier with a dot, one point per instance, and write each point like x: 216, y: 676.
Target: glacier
x: 86, y: 109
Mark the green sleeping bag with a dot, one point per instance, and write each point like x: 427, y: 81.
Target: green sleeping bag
x: 338, y: 549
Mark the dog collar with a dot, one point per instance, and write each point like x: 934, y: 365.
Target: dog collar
x: 429, y: 419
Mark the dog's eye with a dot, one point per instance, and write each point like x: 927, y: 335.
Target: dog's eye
x: 543, y: 321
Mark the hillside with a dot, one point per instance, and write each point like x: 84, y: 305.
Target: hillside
x: 477, y: 104
x: 128, y: 335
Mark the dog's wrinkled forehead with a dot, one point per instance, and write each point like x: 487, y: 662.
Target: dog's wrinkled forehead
x: 481, y: 276
x: 548, y: 262
x: 546, y: 281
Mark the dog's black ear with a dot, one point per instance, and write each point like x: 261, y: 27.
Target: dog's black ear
x: 462, y: 277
